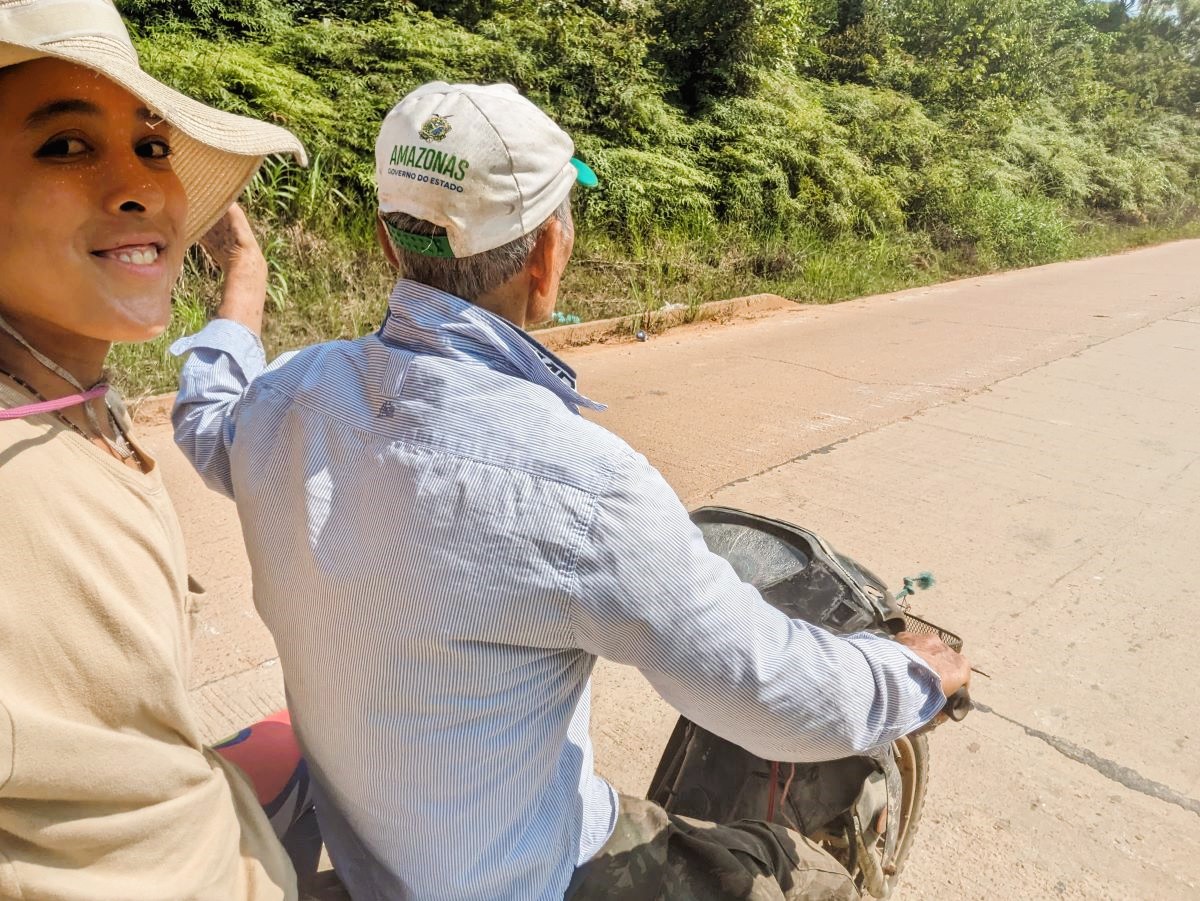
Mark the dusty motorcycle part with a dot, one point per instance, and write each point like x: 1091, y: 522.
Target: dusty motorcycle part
x: 703, y: 776
x: 863, y: 809
x: 798, y: 573
x: 877, y: 870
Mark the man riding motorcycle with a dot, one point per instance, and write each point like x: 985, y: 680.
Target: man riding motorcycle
x: 442, y: 546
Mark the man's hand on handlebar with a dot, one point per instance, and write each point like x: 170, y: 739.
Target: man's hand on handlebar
x: 952, y: 667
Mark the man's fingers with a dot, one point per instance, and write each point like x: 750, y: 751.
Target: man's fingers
x: 953, y: 668
x: 231, y: 238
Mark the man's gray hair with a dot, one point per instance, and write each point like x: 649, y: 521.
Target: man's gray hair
x: 468, y: 277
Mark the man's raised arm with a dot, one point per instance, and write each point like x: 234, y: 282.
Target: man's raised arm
x: 225, y: 356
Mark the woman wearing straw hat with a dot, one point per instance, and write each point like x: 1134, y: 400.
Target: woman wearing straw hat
x: 106, y: 177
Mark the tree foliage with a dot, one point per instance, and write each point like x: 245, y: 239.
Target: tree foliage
x: 719, y: 48
x: 994, y: 126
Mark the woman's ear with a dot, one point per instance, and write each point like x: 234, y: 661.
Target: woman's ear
x: 385, y: 242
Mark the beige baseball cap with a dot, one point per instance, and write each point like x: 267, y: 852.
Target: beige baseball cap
x: 214, y: 153
x: 481, y: 161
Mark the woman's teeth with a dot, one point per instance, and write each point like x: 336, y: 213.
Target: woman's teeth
x: 138, y: 256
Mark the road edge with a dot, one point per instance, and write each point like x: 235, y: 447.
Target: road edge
x: 156, y: 408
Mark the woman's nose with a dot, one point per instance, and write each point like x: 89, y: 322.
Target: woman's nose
x: 132, y: 187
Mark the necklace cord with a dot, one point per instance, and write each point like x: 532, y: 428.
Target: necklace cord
x: 49, y: 406
x: 122, y: 448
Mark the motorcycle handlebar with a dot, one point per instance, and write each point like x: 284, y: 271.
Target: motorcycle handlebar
x: 958, y: 705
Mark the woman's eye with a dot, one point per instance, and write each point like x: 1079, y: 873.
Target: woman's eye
x: 64, y: 146
x: 154, y: 149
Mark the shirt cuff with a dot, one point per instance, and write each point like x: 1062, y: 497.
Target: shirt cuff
x: 229, y: 337
x: 925, y: 698
x: 927, y: 676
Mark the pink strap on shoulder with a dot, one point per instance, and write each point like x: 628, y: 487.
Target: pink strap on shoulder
x: 59, y: 403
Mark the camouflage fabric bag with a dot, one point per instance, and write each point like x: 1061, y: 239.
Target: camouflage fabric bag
x: 657, y: 856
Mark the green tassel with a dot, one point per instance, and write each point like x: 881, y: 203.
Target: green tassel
x: 914, y: 584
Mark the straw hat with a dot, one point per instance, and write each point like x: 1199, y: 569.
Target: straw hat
x: 214, y: 153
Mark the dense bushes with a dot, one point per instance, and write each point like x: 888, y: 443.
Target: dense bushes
x: 699, y: 111
x: 749, y: 138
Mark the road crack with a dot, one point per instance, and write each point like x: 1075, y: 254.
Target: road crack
x: 1109, y: 769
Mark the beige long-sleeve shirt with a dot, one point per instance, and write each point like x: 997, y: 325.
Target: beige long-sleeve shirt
x: 105, y: 789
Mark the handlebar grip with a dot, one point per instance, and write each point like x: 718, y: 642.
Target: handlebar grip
x: 958, y: 705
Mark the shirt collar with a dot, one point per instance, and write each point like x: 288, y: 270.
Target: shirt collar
x: 429, y: 321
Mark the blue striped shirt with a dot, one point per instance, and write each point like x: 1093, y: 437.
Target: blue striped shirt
x: 441, y: 547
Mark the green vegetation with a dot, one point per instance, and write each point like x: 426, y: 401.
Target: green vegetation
x: 818, y: 149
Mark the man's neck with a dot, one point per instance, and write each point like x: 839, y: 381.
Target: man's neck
x: 510, y: 302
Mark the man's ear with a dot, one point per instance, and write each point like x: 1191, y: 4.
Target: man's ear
x: 386, y: 243
x: 543, y: 267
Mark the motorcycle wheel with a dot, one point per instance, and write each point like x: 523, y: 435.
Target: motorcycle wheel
x: 912, y: 758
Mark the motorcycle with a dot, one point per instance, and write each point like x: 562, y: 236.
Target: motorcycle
x: 865, y: 809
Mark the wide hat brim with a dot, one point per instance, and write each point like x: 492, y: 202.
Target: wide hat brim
x: 215, y: 153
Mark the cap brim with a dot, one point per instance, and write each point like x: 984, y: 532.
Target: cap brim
x: 214, y: 153
x: 584, y: 174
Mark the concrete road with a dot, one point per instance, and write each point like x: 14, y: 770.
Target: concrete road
x: 1033, y: 438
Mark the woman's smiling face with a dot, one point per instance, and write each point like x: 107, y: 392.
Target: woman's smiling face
x: 93, y: 216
